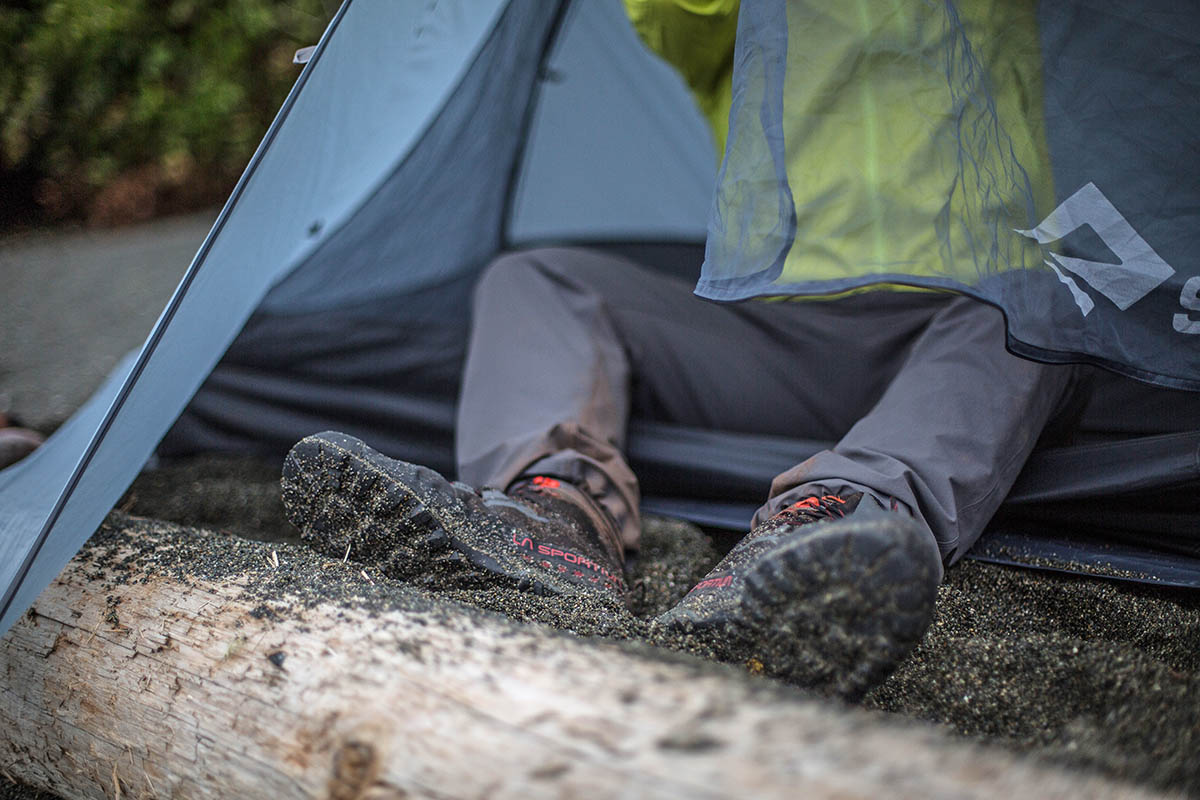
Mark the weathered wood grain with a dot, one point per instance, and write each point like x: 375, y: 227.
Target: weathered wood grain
x: 181, y: 687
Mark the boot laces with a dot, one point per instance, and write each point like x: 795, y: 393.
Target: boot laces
x: 813, y: 508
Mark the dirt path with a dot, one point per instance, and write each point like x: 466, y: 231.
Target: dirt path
x: 75, y: 301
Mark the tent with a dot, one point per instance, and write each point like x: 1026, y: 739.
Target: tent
x: 1038, y: 157
x: 420, y: 140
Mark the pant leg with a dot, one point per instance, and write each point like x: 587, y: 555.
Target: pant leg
x: 951, y: 432
x: 546, y: 384
x: 565, y: 344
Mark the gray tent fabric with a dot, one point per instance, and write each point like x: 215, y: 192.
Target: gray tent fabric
x: 1056, y: 552
x: 1039, y: 159
x: 605, y: 99
x: 391, y: 169
x: 423, y: 226
x: 1122, y: 122
x: 402, y: 237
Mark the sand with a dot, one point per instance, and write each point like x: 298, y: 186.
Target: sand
x: 1075, y: 670
x: 1095, y: 674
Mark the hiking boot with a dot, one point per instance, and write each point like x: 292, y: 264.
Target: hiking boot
x: 830, y: 593
x: 567, y: 531
x: 546, y: 536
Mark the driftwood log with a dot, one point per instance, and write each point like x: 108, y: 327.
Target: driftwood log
x: 148, y: 669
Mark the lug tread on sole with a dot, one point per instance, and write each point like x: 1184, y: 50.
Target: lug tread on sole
x: 835, y: 610
x: 345, y: 502
x: 348, y: 500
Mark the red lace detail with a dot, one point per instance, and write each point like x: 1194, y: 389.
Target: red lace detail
x: 812, y: 509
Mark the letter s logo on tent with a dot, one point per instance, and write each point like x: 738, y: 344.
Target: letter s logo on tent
x: 1139, y: 271
x: 1189, y: 298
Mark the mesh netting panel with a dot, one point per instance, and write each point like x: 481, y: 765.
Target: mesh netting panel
x: 1038, y: 158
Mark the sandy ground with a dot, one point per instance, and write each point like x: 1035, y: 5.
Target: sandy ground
x: 1078, y: 671
x: 1075, y: 670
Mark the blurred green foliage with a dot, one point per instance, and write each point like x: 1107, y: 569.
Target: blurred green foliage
x: 119, y: 108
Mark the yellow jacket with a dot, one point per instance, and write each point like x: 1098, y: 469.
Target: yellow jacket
x: 696, y: 37
x: 889, y: 169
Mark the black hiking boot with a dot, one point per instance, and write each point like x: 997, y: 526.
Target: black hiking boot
x: 545, y: 536
x: 830, y: 593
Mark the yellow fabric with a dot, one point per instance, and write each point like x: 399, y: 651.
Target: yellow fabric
x: 883, y: 177
x: 872, y: 129
x: 696, y: 37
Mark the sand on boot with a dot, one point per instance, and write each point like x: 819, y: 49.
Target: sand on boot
x: 351, y: 501
x: 1074, y: 670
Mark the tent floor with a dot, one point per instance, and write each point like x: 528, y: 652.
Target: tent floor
x: 1082, y: 556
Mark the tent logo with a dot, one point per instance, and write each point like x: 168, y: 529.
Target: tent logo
x: 1139, y: 269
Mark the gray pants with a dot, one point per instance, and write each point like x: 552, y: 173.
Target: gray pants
x: 917, y: 389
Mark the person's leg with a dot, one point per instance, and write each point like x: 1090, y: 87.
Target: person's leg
x: 546, y: 382
x: 567, y: 343
x: 951, y: 432
x: 836, y: 582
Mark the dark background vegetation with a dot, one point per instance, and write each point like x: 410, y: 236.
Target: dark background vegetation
x: 115, y: 111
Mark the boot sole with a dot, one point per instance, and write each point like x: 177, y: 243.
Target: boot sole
x: 350, y: 501
x: 835, y: 609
